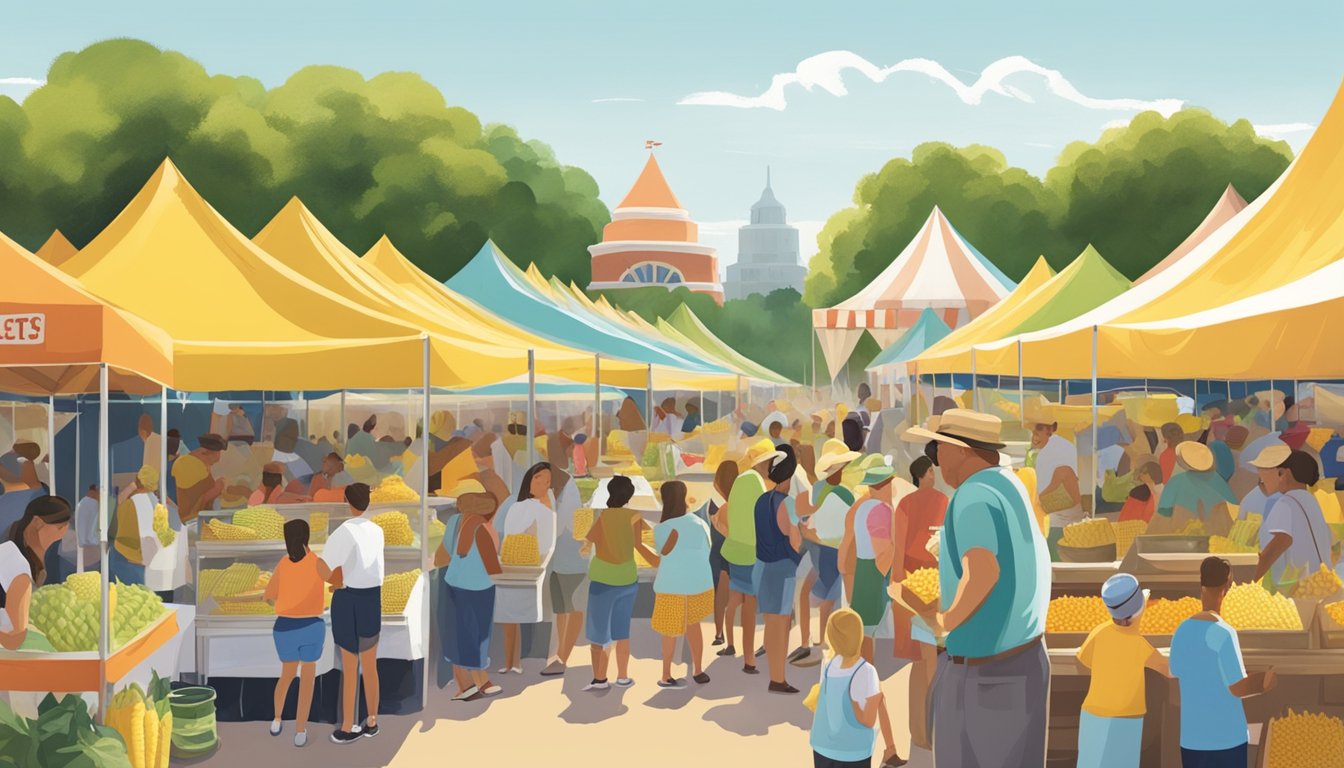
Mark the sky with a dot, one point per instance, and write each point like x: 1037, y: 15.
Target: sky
x: 823, y: 93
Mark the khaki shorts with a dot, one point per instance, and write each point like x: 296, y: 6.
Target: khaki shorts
x: 566, y: 592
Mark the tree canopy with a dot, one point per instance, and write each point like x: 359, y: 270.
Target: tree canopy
x: 1135, y: 194
x: 386, y: 154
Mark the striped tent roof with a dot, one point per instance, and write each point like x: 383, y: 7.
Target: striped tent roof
x: 1228, y: 206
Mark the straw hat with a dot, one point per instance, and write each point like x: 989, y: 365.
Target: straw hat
x: 761, y: 451
x: 1272, y: 456
x: 1195, y: 457
x: 467, y: 486
x: 148, y: 477
x: 834, y: 455
x: 962, y: 427
x: 775, y: 417
x: 880, y: 472
x: 1190, y: 424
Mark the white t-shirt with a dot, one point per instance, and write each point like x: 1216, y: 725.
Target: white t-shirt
x: 863, y: 687
x: 86, y: 522
x: 356, y: 547
x: 1108, y: 458
x: 523, y: 515
x: 1058, y: 452
x: 1298, y: 514
x: 12, y: 565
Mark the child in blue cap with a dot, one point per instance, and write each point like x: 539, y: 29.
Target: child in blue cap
x: 1110, y: 730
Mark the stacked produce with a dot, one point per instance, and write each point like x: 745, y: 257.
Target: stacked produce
x: 166, y: 535
x: 520, y: 549
x: 583, y: 522
x: 1195, y: 528
x: 392, y: 488
x: 924, y: 583
x: 244, y: 608
x: 63, y: 734
x: 397, y: 590
x: 222, y: 531
x: 1162, y: 616
x: 317, y: 526
x: 1246, y: 531
x: 268, y: 523
x: 1322, y: 583
x: 1336, y: 612
x: 1306, y: 740
x: 1251, y: 606
x: 1096, y: 532
x: 647, y: 538
x: 1224, y: 545
x: 144, y: 722
x: 396, y: 529
x: 1075, y: 614
x: 227, y: 582
x: 69, y: 614
x: 1125, y: 534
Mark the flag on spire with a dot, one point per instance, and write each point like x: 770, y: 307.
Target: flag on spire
x: 650, y: 143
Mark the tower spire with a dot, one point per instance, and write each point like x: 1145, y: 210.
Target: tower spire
x: 767, y: 177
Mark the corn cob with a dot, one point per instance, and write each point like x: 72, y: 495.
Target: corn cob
x: 397, y: 590
x: 583, y: 523
x: 245, y: 608
x: 166, y: 535
x: 520, y: 549
x: 239, y: 577
x: 152, y: 736
x: 396, y: 529
x: 268, y: 523
x: 165, y: 734
x: 227, y: 532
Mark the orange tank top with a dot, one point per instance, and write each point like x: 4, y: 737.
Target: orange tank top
x: 299, y: 588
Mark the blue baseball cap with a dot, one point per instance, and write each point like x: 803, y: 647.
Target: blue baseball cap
x: 1123, y: 596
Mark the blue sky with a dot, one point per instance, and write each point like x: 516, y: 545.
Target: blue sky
x: 595, y: 79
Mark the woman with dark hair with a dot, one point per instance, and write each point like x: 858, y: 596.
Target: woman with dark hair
x: 471, y: 556
x: 296, y: 590
x: 616, y: 533
x: 1294, y: 533
x: 532, y: 514
x: 683, y: 589
x: 45, y: 521
x: 851, y: 430
x: 779, y: 547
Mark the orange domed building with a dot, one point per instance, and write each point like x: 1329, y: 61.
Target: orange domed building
x: 651, y: 241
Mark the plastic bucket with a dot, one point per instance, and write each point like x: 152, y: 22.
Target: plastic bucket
x: 194, y: 732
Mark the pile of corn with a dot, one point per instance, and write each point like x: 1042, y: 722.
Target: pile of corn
x: 244, y: 608
x: 166, y: 535
x: 144, y: 724
x: 1162, y: 616
x: 268, y: 523
x: 88, y: 587
x: 1322, y: 583
x: 1246, y: 531
x: 1075, y: 614
x: 1251, y: 606
x: 924, y: 583
x: 1195, y: 528
x: 583, y: 522
x: 1336, y: 612
x: 397, y: 590
x: 396, y: 529
x: 1223, y: 545
x: 317, y: 527
x: 227, y: 582
x: 222, y: 531
x: 392, y: 488
x: 647, y: 538
x: 1125, y: 534
x: 1306, y: 740
x: 520, y: 549
x: 1096, y: 532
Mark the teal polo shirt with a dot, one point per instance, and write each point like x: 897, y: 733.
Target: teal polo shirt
x: 991, y: 511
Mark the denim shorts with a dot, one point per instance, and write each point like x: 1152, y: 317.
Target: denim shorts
x: 609, y: 611
x: 299, y: 639
x: 775, y: 587
x: 742, y: 578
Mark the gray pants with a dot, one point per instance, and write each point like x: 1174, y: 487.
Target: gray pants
x: 991, y: 715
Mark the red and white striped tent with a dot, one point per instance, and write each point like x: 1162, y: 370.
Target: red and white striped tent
x: 938, y: 270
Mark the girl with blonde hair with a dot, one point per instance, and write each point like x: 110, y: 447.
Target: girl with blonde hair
x: 844, y: 724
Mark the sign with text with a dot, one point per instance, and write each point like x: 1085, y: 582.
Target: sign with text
x: 26, y: 329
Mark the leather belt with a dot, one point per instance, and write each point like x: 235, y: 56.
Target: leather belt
x: 975, y: 661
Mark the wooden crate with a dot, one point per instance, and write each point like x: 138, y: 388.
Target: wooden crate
x: 1330, y: 632
x: 1269, y: 639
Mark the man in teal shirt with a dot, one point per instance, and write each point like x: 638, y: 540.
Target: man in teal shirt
x: 993, y: 685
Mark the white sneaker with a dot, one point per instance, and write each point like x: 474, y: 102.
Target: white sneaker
x: 624, y: 682
x: 300, y: 738
x: 276, y: 725
x: 597, y: 685
x: 467, y: 694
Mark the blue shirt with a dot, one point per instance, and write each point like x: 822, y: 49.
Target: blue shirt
x: 1224, y: 463
x: 991, y: 511
x: 1206, y: 659
x: 1330, y: 460
x: 686, y: 570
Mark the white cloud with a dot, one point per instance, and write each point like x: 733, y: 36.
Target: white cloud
x: 1278, y: 130
x: 826, y: 70
x: 22, y: 81
x: 613, y: 100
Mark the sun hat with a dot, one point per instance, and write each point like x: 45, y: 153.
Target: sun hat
x: 877, y: 470
x: 1272, y: 456
x: 961, y: 427
x: 148, y: 477
x: 834, y: 455
x: 1190, y: 424
x: 761, y: 451
x: 775, y: 417
x: 467, y: 486
x: 1122, y: 596
x: 1195, y: 457
x: 841, y: 411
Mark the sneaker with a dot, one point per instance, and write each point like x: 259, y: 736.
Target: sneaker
x: 750, y: 670
x: 760, y: 652
x: 597, y: 685
x: 369, y: 731
x: 517, y: 670
x: 673, y: 684
x: 344, y: 737
x: 467, y: 694
x: 301, y: 739
x: 491, y: 690
x: 782, y: 688
x: 276, y: 726
x: 554, y: 669
x: 893, y: 762
x: 812, y: 659
x: 718, y: 640
x: 729, y: 651
x: 701, y: 678
x: 624, y: 682
x: 800, y: 653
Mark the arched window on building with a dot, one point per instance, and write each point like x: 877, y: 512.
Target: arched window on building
x: 652, y: 273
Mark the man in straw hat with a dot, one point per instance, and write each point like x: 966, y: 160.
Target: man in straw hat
x: 822, y: 515
x: 994, y: 571
x: 739, y: 546
x: 1196, y: 492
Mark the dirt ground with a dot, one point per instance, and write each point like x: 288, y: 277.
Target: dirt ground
x: 551, y: 721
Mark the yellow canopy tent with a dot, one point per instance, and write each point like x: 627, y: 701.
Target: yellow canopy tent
x: 480, y: 348
x: 57, y: 250
x: 241, y: 318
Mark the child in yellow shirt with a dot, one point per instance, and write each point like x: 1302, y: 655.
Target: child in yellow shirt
x: 1110, y: 731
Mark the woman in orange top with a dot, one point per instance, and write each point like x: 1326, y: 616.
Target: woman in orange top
x: 916, y: 515
x: 296, y: 590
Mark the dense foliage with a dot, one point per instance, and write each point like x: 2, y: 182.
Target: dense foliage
x: 368, y: 157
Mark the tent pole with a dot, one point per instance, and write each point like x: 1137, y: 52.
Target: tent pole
x: 597, y: 401
x: 531, y: 407
x: 812, y: 353
x: 341, y: 437
x: 975, y: 389
x: 51, y: 446
x: 1021, y: 390
x: 104, y: 628
x: 426, y: 563
x: 648, y: 399
x: 79, y: 548
x: 1092, y: 470
x: 163, y: 446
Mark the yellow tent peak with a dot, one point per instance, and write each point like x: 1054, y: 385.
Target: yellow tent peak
x: 651, y: 189
x: 57, y: 250
x: 1039, y: 272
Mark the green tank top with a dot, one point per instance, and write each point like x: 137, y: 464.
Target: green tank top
x: 619, y: 544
